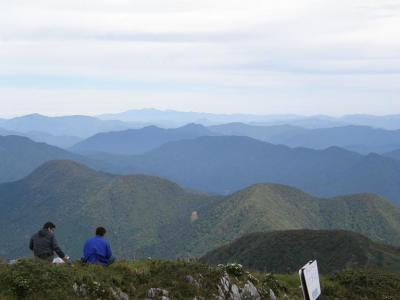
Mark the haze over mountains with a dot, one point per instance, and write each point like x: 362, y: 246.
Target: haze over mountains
x: 217, y: 164
x: 19, y: 156
x: 394, y: 154
x: 75, y: 126
x: 224, y: 164
x: 150, y: 216
x: 177, y: 118
x: 362, y: 139
x: 136, y: 141
x: 204, y: 184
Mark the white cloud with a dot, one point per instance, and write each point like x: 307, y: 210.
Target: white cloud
x: 288, y: 56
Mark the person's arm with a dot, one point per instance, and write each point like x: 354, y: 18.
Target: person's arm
x: 108, y: 251
x: 31, y: 244
x: 57, y: 248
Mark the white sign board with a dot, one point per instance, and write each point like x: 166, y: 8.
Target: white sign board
x: 310, y: 281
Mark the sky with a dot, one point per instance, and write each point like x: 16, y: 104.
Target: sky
x: 305, y: 57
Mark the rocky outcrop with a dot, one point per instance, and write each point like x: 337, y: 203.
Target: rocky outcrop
x: 230, y: 291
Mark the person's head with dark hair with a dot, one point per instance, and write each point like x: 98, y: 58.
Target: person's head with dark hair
x: 49, y: 226
x: 100, y: 231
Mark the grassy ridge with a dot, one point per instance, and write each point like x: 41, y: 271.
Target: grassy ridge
x: 37, y: 280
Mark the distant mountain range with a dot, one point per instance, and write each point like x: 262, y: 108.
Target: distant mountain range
x: 74, y: 126
x: 394, y: 154
x: 43, y: 137
x: 173, y: 118
x: 287, y: 251
x: 150, y: 216
x: 224, y: 164
x: 137, y: 141
x: 361, y: 139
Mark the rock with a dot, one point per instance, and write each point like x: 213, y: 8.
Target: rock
x: 192, y: 281
x: 272, y: 295
x: 157, y: 293
x: 235, y: 292
x: 225, y: 283
x: 249, y: 291
x: 80, y: 290
x: 118, y: 294
x: 229, y: 291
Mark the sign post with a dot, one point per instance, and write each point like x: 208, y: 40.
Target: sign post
x: 309, y: 278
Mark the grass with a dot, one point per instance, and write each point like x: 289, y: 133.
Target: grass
x: 32, y: 279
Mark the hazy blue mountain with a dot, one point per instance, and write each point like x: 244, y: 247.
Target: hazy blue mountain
x: 5, y: 132
x: 177, y: 118
x: 173, y: 118
x: 151, y: 216
x: 54, y: 140
x: 361, y: 139
x: 19, y: 156
x: 136, y: 141
x: 43, y: 137
x: 388, y: 122
x: 79, y: 126
x: 263, y: 133
x: 394, y: 154
x: 224, y: 164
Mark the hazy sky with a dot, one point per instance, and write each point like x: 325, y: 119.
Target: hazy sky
x: 298, y: 56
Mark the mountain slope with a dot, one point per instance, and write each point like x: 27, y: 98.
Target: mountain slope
x: 362, y: 139
x: 263, y: 133
x: 135, y: 141
x: 225, y: 164
x: 78, y: 199
x: 150, y: 216
x: 394, y: 154
x: 79, y: 126
x: 268, y: 207
x: 19, y: 156
x: 288, y: 251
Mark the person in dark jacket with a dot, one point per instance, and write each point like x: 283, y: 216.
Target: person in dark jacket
x: 44, y: 244
x: 97, y: 250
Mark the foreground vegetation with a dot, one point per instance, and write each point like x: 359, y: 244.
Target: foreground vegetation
x: 30, y: 279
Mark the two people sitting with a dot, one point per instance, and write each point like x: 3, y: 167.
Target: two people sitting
x: 97, y: 250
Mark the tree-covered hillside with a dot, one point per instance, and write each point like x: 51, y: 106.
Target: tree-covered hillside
x: 150, y: 216
x: 287, y: 251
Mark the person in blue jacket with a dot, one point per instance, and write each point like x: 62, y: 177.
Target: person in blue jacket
x: 97, y: 250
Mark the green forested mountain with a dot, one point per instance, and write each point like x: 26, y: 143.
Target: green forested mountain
x: 287, y: 251
x: 269, y: 207
x: 150, y: 216
x: 77, y: 199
